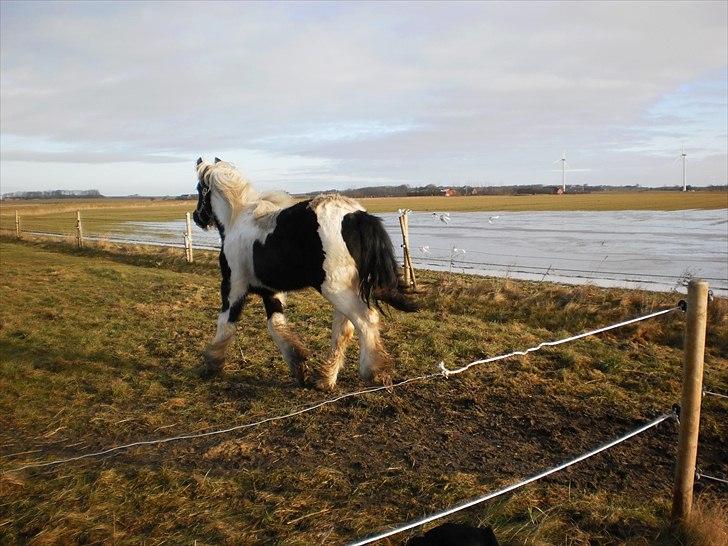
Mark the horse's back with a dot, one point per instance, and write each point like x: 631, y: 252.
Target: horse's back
x: 330, y: 202
x: 306, y: 247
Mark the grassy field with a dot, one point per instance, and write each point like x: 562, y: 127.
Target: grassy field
x: 101, y: 215
x: 101, y: 346
x: 651, y: 200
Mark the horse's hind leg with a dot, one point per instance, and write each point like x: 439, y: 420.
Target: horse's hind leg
x: 375, y: 364
x: 288, y: 343
x: 341, y: 333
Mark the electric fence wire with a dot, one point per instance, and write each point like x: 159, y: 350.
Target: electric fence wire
x: 443, y: 372
x: 711, y: 393
x: 568, y: 273
x: 700, y: 476
x: 512, y: 487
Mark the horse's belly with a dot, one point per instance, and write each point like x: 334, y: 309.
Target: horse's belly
x: 289, y: 268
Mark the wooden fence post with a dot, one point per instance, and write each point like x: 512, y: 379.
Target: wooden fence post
x: 17, y: 224
x: 404, y: 249
x: 692, y: 394
x: 79, y: 229
x: 188, y: 239
x: 409, y: 271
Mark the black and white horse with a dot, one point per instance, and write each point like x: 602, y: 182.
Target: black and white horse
x: 272, y: 245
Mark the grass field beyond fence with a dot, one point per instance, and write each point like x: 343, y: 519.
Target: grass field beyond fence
x: 648, y: 200
x: 101, y: 215
x: 101, y: 346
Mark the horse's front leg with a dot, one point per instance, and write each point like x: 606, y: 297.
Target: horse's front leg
x: 233, y: 292
x: 288, y: 343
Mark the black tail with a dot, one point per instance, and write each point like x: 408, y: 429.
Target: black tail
x: 371, y: 248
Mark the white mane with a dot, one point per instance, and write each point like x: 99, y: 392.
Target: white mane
x: 237, y: 191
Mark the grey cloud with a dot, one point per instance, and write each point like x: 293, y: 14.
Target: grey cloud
x: 483, y: 88
x: 86, y: 157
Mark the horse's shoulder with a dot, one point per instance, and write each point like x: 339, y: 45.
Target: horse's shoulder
x: 326, y: 200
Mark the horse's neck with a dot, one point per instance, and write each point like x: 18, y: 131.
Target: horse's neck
x: 223, y: 212
x: 226, y: 214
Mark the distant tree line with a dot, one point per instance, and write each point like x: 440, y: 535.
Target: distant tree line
x: 52, y: 194
x: 405, y: 190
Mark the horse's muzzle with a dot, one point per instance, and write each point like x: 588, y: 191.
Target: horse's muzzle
x: 204, y: 223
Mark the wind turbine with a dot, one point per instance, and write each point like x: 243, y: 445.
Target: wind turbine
x: 684, y: 157
x: 563, y: 171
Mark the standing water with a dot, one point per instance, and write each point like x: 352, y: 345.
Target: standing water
x: 653, y: 250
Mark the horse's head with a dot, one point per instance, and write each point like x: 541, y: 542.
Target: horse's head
x: 222, y: 193
x: 203, y: 215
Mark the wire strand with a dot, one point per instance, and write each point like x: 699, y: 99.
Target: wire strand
x: 443, y: 372
x: 221, y: 431
x: 447, y: 372
x: 540, y: 268
x: 716, y: 394
x: 699, y: 476
x: 565, y: 273
x: 489, y: 496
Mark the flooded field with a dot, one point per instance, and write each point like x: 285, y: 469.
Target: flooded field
x: 653, y: 250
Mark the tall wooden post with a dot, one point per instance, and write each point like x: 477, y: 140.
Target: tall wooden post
x: 79, y: 229
x: 409, y: 271
x: 692, y: 393
x: 404, y: 248
x: 17, y: 224
x: 188, y: 240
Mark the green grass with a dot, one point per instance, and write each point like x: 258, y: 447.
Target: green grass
x: 101, y: 346
x: 101, y: 216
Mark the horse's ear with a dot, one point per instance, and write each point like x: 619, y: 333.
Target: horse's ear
x: 217, y: 160
x: 199, y: 160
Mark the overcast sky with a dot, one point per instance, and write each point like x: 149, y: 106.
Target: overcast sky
x: 123, y: 97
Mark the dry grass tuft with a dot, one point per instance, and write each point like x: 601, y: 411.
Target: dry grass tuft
x: 707, y: 524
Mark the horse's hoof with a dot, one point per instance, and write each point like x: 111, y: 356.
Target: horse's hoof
x: 211, y: 366
x: 298, y: 374
x: 297, y: 361
x: 206, y: 373
x: 324, y: 384
x: 381, y: 378
x: 323, y: 378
